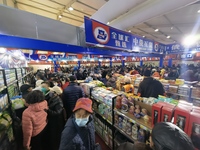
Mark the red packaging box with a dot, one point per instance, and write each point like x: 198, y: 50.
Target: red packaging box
x: 181, y: 117
x: 194, y: 129
x: 189, y: 107
x: 185, y: 103
x: 167, y: 113
x: 196, y: 109
x: 156, y: 113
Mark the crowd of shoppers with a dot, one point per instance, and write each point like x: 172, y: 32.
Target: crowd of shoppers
x: 54, y: 99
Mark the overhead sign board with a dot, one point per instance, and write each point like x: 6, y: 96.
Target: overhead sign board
x: 101, y: 34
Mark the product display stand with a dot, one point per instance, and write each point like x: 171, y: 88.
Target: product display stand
x: 109, y: 121
x: 10, y: 82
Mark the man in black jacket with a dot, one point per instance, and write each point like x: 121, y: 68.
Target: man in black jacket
x: 150, y: 87
x: 71, y: 94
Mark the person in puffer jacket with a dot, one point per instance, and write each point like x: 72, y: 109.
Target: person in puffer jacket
x: 167, y: 136
x: 34, y: 121
x: 79, y: 132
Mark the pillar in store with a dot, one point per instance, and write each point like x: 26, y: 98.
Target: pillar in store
x: 79, y: 64
x: 55, y: 66
x: 110, y: 62
x: 170, y: 62
x: 141, y: 63
x: 99, y: 63
x: 161, y: 62
x: 123, y: 62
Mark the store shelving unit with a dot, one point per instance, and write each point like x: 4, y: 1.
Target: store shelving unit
x: 10, y: 81
x: 103, y: 121
x: 131, y: 118
x: 107, y: 120
x: 7, y: 79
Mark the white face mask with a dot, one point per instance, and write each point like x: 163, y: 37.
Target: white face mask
x: 55, y: 84
x: 82, y: 121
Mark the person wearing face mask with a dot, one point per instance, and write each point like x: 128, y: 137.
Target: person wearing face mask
x: 55, y: 114
x: 79, y: 132
x: 45, y: 88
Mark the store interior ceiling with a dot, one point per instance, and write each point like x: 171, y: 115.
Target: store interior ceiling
x: 174, y: 19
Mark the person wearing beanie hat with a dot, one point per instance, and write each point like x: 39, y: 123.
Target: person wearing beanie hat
x: 150, y: 87
x: 25, y: 89
x: 79, y: 132
x: 167, y: 136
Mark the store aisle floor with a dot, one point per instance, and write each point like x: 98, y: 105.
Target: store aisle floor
x: 101, y: 142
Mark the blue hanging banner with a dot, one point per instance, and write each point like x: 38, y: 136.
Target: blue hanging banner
x: 159, y: 47
x: 174, y: 48
x: 98, y: 33
x: 142, y: 44
x: 178, y: 48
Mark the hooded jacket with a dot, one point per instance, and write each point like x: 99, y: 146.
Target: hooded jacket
x: 167, y: 136
x: 34, y: 120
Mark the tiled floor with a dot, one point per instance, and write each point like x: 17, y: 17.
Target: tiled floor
x: 101, y: 142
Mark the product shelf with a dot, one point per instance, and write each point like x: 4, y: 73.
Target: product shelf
x: 101, y: 102
x: 2, y: 88
x: 12, y: 83
x: 97, y: 112
x: 187, y: 96
x: 141, y: 122
x: 197, y: 98
x: 4, y: 108
x: 103, y: 139
x: 125, y: 134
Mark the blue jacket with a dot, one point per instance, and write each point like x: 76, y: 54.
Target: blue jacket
x: 78, y: 138
x: 70, y: 95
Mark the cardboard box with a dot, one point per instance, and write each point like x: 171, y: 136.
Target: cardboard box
x: 182, y: 117
x: 194, y: 129
x: 156, y: 113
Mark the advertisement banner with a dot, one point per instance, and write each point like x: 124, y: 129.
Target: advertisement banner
x: 142, y: 44
x: 159, y: 47
x: 98, y: 33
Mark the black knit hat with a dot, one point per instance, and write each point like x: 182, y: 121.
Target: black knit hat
x: 72, y: 78
x: 167, y: 136
x: 24, y: 89
x: 147, y: 73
